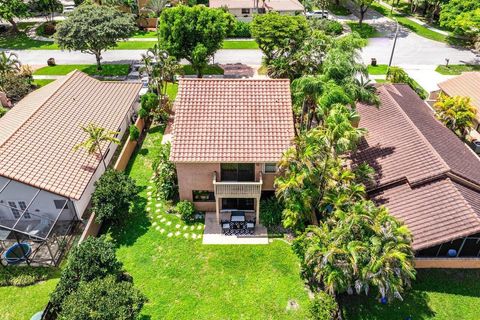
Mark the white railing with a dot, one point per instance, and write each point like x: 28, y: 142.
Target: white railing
x: 237, y: 189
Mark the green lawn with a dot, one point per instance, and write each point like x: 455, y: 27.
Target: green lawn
x: 236, y: 44
x: 379, y: 69
x: 415, y: 27
x: 456, y: 69
x: 184, y: 279
x: 20, y: 303
x: 91, y: 69
x: 42, y: 82
x: 365, y: 30
x: 211, y: 69
x: 172, y: 89
x: 20, y: 41
x: 437, y: 294
x: 144, y: 34
x: 338, y: 10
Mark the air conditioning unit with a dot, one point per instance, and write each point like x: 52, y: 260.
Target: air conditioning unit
x: 476, y: 146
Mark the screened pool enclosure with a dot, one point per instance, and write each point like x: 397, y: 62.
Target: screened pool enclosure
x: 36, y: 226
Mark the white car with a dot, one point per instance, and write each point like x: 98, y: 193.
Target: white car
x: 144, y: 89
x: 322, y: 14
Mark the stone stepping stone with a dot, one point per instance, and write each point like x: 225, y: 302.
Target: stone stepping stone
x: 169, y: 234
x: 148, y: 209
x: 194, y: 236
x: 157, y: 228
x: 186, y: 235
x: 185, y: 227
x: 200, y: 227
x: 177, y: 233
x: 169, y: 223
x: 177, y: 226
x: 162, y: 230
x: 149, y: 193
x: 192, y: 228
x: 149, y: 187
x: 158, y: 205
x: 157, y: 211
x: 154, y: 224
x: 163, y: 220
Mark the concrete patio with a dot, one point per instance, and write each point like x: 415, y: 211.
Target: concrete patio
x: 213, y: 233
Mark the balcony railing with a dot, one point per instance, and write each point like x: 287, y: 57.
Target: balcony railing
x: 237, y: 189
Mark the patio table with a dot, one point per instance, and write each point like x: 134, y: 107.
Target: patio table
x: 237, y: 216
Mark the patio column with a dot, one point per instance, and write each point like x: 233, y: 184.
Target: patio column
x: 217, y: 207
x: 257, y: 210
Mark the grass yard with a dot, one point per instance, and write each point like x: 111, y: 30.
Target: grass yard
x: 379, y: 69
x: 338, y: 10
x: 184, y: 279
x: 20, y: 303
x: 172, y: 89
x: 209, y: 70
x: 365, y: 30
x: 42, y: 82
x: 90, y: 69
x: 415, y: 27
x: 240, y: 44
x: 144, y: 34
x: 437, y: 294
x: 456, y: 69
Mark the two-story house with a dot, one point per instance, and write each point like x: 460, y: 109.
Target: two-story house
x: 228, y: 136
x: 245, y: 9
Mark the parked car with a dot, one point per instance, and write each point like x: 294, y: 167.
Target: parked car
x: 144, y: 89
x: 322, y: 14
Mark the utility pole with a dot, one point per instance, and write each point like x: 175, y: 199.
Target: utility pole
x: 393, y: 48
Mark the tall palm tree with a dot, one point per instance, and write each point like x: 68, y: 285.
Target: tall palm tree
x: 9, y: 63
x: 306, y: 92
x: 96, y: 137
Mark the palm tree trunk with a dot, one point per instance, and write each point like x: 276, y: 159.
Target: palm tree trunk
x: 101, y: 155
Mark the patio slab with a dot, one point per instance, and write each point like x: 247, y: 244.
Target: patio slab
x: 213, y: 233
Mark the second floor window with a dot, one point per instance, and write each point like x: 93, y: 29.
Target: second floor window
x: 238, y: 172
x: 270, y: 168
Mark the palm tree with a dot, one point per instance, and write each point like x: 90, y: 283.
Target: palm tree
x: 456, y: 113
x: 9, y: 63
x: 96, y: 136
x: 156, y: 6
x: 306, y: 92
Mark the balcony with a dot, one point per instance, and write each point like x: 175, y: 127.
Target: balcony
x: 237, y: 189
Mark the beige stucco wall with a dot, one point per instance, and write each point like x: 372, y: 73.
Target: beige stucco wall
x: 199, y: 176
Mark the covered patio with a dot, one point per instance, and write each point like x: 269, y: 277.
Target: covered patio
x: 36, y: 226
x: 236, y: 227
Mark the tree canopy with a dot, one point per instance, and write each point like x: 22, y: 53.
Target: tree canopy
x: 456, y: 112
x: 92, y: 29
x: 10, y: 9
x: 194, y: 33
x: 462, y: 16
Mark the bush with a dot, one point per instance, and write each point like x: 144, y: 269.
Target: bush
x: 16, y: 86
x: 165, y: 175
x: 398, y: 75
x: 24, y: 276
x: 330, y: 27
x: 240, y: 30
x: 271, y: 213
x: 186, y: 210
x: 142, y: 113
x: 149, y: 102
x: 103, y: 299
x: 112, y: 196
x: 3, y: 111
x: 323, y: 307
x: 134, y: 132
x: 91, y: 259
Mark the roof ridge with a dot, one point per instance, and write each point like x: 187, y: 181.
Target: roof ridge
x: 64, y: 80
x: 412, y: 124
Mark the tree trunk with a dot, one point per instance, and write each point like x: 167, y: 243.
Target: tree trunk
x: 98, y: 57
x: 362, y: 14
x: 14, y: 25
x: 313, y: 217
x: 199, y: 73
x: 337, y: 2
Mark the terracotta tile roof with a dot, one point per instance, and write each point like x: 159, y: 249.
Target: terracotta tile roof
x: 466, y: 85
x: 232, y: 120
x: 422, y: 168
x: 38, y: 134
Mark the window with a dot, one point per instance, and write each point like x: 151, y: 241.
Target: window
x: 245, y: 11
x: 203, y: 196
x: 17, y: 207
x: 60, y: 203
x: 238, y: 204
x: 270, y: 168
x: 238, y: 172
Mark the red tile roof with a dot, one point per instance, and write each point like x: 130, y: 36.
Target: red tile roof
x: 37, y: 136
x: 232, y: 120
x: 421, y: 168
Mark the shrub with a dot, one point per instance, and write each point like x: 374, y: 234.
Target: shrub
x: 186, y: 210
x: 16, y: 86
x: 330, y: 27
x: 165, y: 177
x: 112, y: 196
x: 134, y: 132
x: 91, y: 259
x: 240, y: 30
x: 149, y: 101
x: 3, y: 111
x: 398, y: 75
x: 271, y: 213
x: 142, y: 113
x: 103, y: 299
x: 323, y: 307
x: 24, y: 276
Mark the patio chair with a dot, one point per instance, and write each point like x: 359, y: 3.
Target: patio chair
x: 251, y: 226
x: 40, y: 228
x: 225, y: 226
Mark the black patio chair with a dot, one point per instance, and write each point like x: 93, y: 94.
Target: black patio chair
x: 251, y: 226
x: 225, y: 226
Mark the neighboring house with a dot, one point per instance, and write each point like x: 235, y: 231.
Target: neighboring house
x: 44, y: 183
x: 466, y: 85
x: 425, y: 175
x: 228, y: 136
x: 245, y: 9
